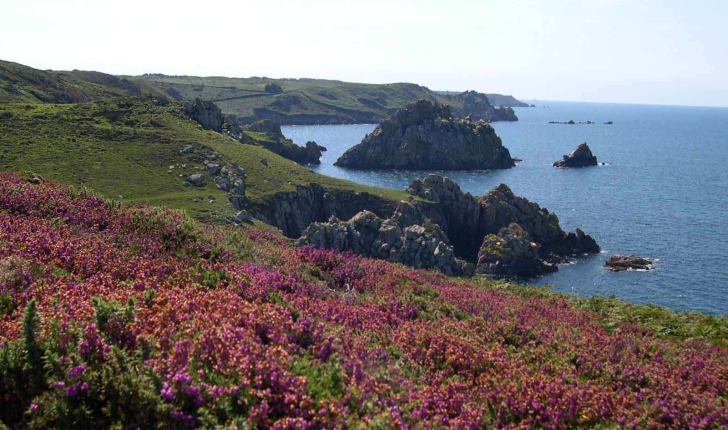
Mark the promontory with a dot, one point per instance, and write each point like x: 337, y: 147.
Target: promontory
x: 424, y: 135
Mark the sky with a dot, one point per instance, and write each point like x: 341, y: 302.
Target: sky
x: 622, y: 51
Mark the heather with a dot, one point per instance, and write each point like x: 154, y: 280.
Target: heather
x: 132, y: 316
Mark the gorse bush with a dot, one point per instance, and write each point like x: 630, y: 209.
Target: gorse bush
x: 131, y: 317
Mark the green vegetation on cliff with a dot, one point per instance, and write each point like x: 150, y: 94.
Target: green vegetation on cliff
x: 125, y: 149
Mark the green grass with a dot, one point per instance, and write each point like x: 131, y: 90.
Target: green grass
x: 19, y: 83
x: 123, y: 148
x: 304, y: 100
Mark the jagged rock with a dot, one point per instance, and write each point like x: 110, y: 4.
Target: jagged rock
x: 206, y: 113
x: 264, y: 161
x: 579, y: 157
x: 423, y: 135
x: 466, y: 220
x: 511, y: 252
x: 244, y: 216
x: 188, y: 149
x: 619, y: 263
x: 368, y: 235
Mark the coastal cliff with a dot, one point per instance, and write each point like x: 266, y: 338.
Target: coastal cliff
x: 499, y: 234
x: 424, y: 135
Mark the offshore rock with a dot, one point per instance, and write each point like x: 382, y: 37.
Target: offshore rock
x: 424, y: 135
x: 619, y: 263
x: 368, y: 235
x: 579, y: 157
x: 206, y: 113
x: 511, y: 252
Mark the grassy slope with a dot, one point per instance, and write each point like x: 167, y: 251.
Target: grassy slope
x: 245, y: 97
x: 129, y: 156
x: 19, y: 83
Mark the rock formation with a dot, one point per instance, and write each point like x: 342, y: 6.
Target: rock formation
x: 579, y: 157
x: 368, y: 235
x: 505, y: 234
x: 511, y: 252
x: 424, y: 135
x: 619, y: 263
x: 278, y: 143
x: 478, y: 106
x: 206, y: 113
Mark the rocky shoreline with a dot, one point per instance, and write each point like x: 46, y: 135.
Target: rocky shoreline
x: 498, y: 234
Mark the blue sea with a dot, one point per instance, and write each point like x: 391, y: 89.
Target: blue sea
x: 663, y: 194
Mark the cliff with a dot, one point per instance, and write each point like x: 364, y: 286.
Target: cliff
x: 424, y: 135
x: 273, y: 140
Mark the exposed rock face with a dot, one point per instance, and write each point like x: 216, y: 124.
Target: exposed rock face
x: 206, y: 113
x: 293, y: 212
x: 309, y: 154
x: 477, y: 106
x: 368, y: 235
x: 579, y: 157
x: 506, y: 234
x: 424, y: 135
x: 511, y: 252
x: 619, y: 263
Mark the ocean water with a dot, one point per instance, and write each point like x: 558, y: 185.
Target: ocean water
x: 663, y: 194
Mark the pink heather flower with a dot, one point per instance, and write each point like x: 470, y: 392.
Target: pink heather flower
x: 59, y: 385
x: 167, y: 392
x: 77, y: 371
x: 33, y: 408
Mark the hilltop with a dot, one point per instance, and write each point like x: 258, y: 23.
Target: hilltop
x: 247, y: 100
x: 125, y: 317
x: 19, y: 83
x: 320, y: 101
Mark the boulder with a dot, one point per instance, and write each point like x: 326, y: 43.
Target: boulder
x: 206, y: 113
x: 424, y: 135
x: 511, y: 252
x: 579, y: 157
x: 619, y: 263
x: 197, y: 180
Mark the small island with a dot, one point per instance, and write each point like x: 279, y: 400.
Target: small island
x: 424, y: 135
x: 579, y: 157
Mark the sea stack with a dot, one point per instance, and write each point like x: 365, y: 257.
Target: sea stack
x: 579, y: 157
x: 424, y: 135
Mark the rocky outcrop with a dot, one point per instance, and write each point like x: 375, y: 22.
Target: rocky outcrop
x: 424, y: 135
x: 217, y: 171
x: 293, y: 212
x: 206, y: 113
x: 477, y: 106
x: 579, y: 157
x: 619, y: 263
x: 278, y: 143
x: 505, y: 234
x: 511, y: 252
x: 368, y: 235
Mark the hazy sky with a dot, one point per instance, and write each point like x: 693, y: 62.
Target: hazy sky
x: 657, y: 52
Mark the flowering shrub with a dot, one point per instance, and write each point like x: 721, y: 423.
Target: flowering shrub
x: 138, y: 317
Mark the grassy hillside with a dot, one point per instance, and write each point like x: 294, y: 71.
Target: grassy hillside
x: 300, y: 101
x: 123, y: 148
x: 137, y: 318
x: 19, y: 83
